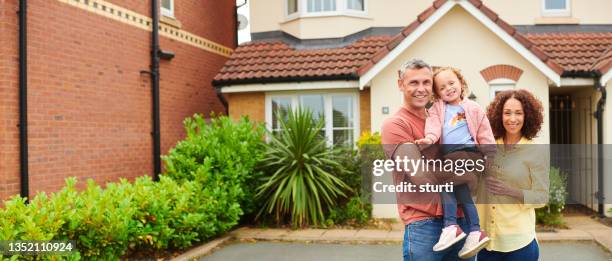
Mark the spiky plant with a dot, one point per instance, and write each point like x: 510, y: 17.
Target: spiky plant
x: 300, y: 183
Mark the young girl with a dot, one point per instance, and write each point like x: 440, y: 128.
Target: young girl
x: 460, y: 124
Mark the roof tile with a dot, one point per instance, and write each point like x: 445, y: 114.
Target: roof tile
x: 426, y: 14
x: 260, y: 61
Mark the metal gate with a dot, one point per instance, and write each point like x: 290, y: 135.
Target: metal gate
x: 571, y: 136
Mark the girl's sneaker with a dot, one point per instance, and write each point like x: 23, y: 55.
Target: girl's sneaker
x: 450, y: 235
x: 475, y: 241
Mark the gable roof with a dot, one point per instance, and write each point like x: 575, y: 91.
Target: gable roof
x: 483, y: 14
x: 275, y: 61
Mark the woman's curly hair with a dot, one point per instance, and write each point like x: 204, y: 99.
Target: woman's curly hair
x: 457, y: 72
x: 532, y: 108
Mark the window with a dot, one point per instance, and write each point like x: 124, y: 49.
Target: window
x: 292, y: 6
x: 556, y: 7
x: 342, y: 120
x: 337, y: 111
x: 280, y: 108
x: 315, y: 6
x: 307, y: 8
x: 167, y: 8
x: 355, y: 5
x: 499, y: 85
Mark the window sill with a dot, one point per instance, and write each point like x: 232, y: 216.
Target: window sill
x: 171, y: 21
x: 361, y: 15
x: 556, y: 20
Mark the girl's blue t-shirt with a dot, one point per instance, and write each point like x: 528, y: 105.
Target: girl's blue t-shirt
x: 455, y: 130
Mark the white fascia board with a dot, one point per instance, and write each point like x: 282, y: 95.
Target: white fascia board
x: 514, y: 44
x: 569, y: 82
x: 407, y: 42
x: 606, y: 77
x: 290, y: 86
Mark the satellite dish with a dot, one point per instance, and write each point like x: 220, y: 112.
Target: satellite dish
x: 242, y: 21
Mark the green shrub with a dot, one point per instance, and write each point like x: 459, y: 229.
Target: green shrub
x: 209, y: 175
x: 356, y: 212
x: 229, y: 150
x: 368, y: 138
x: 551, y: 213
x: 300, y: 184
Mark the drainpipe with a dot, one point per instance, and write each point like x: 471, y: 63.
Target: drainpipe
x: 23, y: 100
x: 218, y: 88
x: 600, y: 141
x: 155, y: 88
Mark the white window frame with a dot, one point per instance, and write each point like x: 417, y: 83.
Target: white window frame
x: 294, y: 14
x: 341, y: 10
x: 169, y: 12
x: 557, y: 12
x: 501, y: 84
x: 328, y: 110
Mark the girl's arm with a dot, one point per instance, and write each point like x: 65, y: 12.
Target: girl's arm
x: 433, y: 123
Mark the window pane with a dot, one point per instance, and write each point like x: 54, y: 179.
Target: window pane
x: 555, y: 4
x: 282, y: 106
x: 343, y: 137
x: 355, y: 5
x: 342, y: 108
x: 166, y: 4
x: 314, y: 103
x: 321, y: 5
x: 291, y: 6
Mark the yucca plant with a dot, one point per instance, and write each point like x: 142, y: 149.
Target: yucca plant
x: 300, y: 183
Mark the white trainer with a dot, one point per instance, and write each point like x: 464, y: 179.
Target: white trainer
x: 450, y: 235
x: 475, y: 241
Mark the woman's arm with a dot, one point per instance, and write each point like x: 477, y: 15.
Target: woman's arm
x: 536, y: 158
x: 539, y: 169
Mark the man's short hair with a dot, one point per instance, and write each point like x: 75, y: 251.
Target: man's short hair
x: 412, y: 64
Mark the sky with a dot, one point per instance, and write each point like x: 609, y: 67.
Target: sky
x: 244, y: 35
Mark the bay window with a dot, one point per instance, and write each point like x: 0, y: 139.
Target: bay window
x: 338, y: 111
x: 295, y: 8
x: 292, y: 7
x: 356, y: 5
x: 321, y: 5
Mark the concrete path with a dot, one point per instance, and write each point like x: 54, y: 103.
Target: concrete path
x: 599, y: 232
x: 581, y: 228
x: 299, y: 251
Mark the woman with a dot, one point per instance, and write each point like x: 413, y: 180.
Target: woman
x: 518, y: 180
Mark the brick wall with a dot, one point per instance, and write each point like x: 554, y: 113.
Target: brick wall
x: 247, y: 103
x: 89, y: 104
x: 501, y: 71
x: 9, y: 75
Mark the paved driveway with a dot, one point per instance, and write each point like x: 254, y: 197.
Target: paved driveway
x: 269, y: 251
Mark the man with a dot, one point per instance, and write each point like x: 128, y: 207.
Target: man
x: 421, y: 212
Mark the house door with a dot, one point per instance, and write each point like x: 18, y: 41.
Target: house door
x: 571, y: 135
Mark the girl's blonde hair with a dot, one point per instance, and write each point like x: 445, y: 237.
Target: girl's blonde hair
x: 457, y: 72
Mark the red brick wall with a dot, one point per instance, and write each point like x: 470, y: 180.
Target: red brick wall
x: 9, y: 132
x: 501, y: 71
x: 89, y: 105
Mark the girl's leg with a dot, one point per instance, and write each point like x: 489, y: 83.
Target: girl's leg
x: 462, y: 192
x: 449, y: 204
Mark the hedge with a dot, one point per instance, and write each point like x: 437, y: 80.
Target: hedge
x: 199, y: 198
